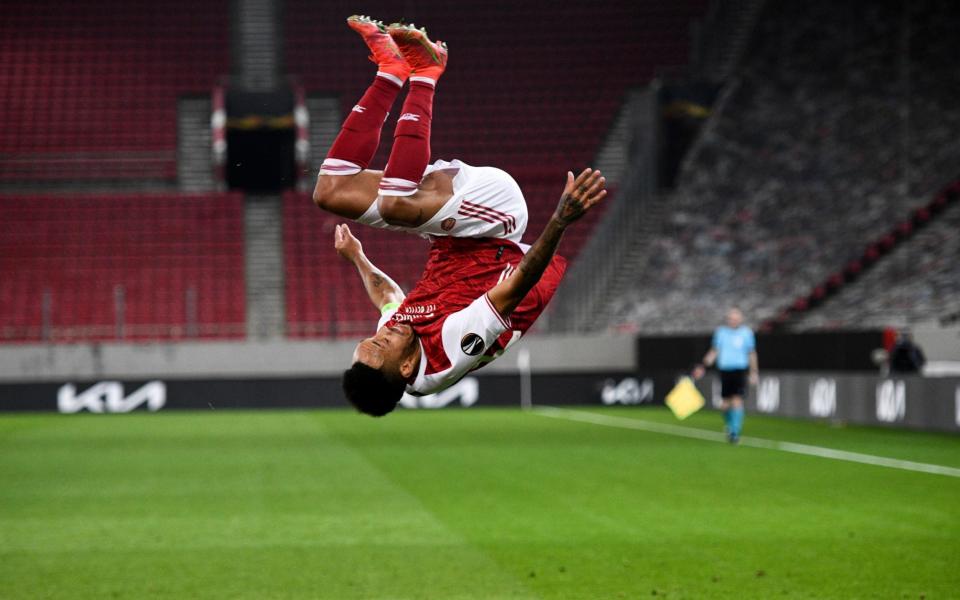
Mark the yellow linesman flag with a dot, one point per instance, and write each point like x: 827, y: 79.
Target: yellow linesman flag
x: 684, y: 399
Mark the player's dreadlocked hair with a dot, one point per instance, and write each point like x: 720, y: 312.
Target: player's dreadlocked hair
x: 370, y: 391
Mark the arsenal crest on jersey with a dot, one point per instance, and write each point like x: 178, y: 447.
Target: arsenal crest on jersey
x: 448, y: 223
x: 471, y: 344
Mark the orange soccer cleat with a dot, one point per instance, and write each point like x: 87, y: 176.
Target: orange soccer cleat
x: 384, y: 50
x: 427, y: 59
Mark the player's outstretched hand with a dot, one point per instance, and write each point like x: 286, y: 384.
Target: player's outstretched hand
x: 346, y: 245
x: 579, y: 195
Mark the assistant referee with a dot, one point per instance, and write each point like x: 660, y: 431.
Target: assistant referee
x: 734, y: 350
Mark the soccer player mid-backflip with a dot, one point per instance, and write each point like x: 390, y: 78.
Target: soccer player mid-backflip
x: 481, y: 289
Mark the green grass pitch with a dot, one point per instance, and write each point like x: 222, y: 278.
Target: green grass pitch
x: 481, y: 504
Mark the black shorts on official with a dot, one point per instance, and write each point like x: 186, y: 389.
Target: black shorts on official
x: 733, y: 383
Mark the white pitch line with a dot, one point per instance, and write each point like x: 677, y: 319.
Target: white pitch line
x: 711, y: 436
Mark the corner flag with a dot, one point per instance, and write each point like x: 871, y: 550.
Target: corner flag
x: 684, y: 399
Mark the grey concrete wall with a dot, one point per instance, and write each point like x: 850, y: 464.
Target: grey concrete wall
x: 283, y: 358
x: 938, y: 343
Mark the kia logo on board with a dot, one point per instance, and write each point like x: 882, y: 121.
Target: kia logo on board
x: 107, y: 397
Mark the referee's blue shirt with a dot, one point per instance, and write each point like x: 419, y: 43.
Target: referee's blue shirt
x: 733, y: 347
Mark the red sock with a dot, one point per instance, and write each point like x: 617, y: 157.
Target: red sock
x: 359, y: 136
x: 411, y: 143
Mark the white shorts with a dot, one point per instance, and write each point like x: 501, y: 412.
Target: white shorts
x: 486, y: 203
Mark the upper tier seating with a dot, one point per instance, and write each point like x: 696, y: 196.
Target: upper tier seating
x: 828, y: 140
x: 88, y: 88
x: 918, y: 281
x: 105, y: 267
x: 530, y: 91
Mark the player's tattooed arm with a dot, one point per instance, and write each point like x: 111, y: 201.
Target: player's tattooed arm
x: 380, y: 288
x: 579, y: 195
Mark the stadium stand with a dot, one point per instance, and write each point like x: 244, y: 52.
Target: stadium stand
x: 919, y: 280
x: 101, y: 267
x: 88, y: 89
x: 842, y: 120
x: 531, y: 100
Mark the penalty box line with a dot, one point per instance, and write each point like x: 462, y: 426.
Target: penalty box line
x: 712, y: 436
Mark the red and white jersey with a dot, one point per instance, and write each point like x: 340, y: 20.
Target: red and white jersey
x: 458, y: 328
x: 486, y: 203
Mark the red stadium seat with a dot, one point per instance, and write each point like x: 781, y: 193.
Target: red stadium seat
x: 83, y: 96
x: 78, y: 255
